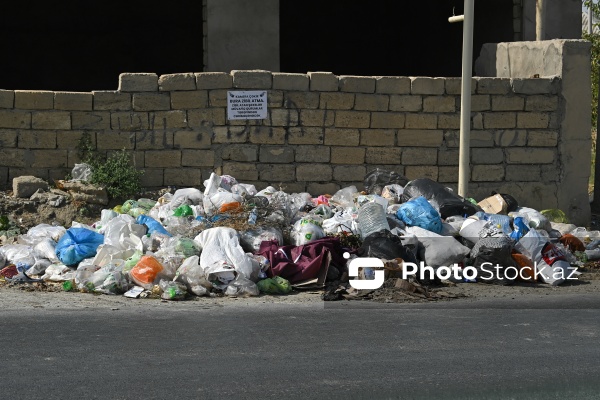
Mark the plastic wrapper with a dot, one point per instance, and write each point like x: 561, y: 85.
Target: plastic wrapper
x: 250, y: 240
x: 178, y: 226
x: 172, y: 290
x: 39, y: 266
x: 584, y: 235
x: 361, y: 200
x: 306, y: 230
x: 244, y: 190
x: 183, y: 210
x: 242, y: 287
x: 418, y: 212
x: 344, y: 197
x: 81, y: 172
x: 443, y: 200
x: 563, y: 228
x: 227, y: 181
x: 377, y: 179
x: 520, y: 229
x: 58, y: 273
x: 220, y: 273
x: 191, y: 274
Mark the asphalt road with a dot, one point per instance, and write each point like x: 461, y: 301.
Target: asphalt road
x: 520, y: 349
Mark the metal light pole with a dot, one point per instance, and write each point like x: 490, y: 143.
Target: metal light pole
x: 464, y: 169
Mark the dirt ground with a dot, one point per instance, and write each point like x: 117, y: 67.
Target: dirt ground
x: 25, y: 214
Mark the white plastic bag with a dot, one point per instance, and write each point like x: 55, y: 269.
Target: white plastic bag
x: 342, y: 221
x: 244, y: 190
x: 306, y: 230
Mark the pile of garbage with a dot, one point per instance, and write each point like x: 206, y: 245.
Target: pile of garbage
x: 234, y: 240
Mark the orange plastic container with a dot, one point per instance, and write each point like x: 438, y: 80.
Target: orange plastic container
x: 144, y: 273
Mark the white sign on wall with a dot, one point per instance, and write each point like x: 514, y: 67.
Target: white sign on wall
x: 247, y: 104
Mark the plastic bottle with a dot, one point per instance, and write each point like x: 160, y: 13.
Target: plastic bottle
x: 371, y: 218
x: 253, y: 216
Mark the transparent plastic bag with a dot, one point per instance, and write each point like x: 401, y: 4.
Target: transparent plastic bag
x: 250, y: 240
x: 192, y: 275
x: 344, y: 197
x: 242, y: 287
x: 81, y: 172
x: 172, y: 290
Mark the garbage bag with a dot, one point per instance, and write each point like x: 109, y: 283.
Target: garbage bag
x: 436, y: 250
x: 306, y: 230
x: 555, y: 215
x: 147, y: 271
x: 152, y: 225
x: 241, y: 286
x: 441, y: 198
x: 251, y: 239
x: 192, y: 275
x: 377, y: 179
x: 77, y: 244
x: 222, y: 245
x: 274, y: 285
x: 344, y: 197
x: 342, y: 221
x: 15, y: 253
x: 494, y: 257
x: 45, y: 249
x: 418, y: 212
x: 533, y: 218
x: 45, y: 231
x: 172, y: 290
x: 387, y: 246
x: 194, y: 196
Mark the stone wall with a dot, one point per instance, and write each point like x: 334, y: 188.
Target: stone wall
x: 323, y: 131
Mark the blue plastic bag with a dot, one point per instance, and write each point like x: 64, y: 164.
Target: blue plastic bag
x: 78, y: 244
x: 152, y: 225
x: 520, y: 229
x: 418, y: 212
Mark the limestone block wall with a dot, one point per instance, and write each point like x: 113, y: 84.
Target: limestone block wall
x: 323, y: 131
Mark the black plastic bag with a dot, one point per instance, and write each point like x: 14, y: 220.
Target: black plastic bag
x: 442, y: 199
x: 511, y: 202
x: 377, y: 179
x: 492, y: 258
